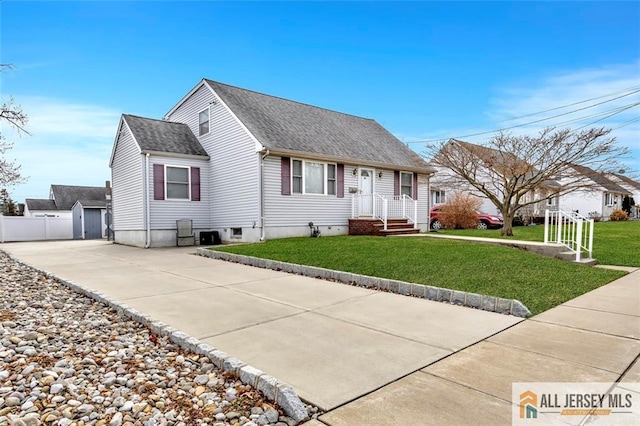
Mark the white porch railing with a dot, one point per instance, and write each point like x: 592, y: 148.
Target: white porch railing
x: 569, y: 229
x: 380, y: 207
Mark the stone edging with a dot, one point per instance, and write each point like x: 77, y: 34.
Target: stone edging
x: 455, y: 297
x: 283, y: 394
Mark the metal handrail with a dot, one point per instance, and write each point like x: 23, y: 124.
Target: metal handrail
x: 568, y: 229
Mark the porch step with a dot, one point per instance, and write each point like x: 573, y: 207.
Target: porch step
x: 399, y: 231
x: 396, y: 227
x: 368, y: 226
x: 570, y: 256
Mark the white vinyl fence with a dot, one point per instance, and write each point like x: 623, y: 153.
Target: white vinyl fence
x: 18, y: 228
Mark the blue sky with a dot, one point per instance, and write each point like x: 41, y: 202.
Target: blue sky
x: 424, y: 70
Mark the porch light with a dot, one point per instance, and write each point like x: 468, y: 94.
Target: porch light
x: 355, y: 172
x: 380, y: 175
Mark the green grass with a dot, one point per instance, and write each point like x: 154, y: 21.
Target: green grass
x: 539, y: 282
x: 614, y: 243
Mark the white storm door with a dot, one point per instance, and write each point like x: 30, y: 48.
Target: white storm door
x: 366, y: 192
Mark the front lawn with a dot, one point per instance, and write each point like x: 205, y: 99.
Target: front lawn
x: 538, y: 282
x: 614, y: 243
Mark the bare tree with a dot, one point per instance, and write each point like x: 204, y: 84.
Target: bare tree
x: 517, y: 171
x: 11, y: 114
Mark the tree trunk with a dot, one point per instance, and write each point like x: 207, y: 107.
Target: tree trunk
x: 507, y: 228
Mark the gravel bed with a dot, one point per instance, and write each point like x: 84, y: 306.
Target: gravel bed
x: 67, y: 360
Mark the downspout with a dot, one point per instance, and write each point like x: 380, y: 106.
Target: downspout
x: 147, y: 218
x: 429, y: 201
x: 262, y: 218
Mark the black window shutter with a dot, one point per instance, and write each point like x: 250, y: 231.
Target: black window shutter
x: 415, y: 186
x: 158, y: 182
x: 396, y: 183
x: 285, y: 175
x: 195, y: 183
x: 340, y: 181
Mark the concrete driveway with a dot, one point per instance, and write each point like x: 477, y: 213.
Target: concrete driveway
x: 333, y: 343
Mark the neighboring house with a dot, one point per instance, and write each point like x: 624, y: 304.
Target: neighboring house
x: 630, y: 185
x: 86, y: 205
x: 253, y: 167
x: 489, y: 168
x: 599, y: 200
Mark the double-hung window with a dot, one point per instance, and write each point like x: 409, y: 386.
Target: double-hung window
x: 177, y: 182
x: 310, y: 177
x: 203, y: 122
x: 439, y: 197
x: 406, y: 184
x: 609, y: 199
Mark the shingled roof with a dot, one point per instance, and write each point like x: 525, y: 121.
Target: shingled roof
x: 632, y: 183
x: 599, y: 178
x: 163, y: 136
x: 40, y: 204
x: 65, y: 196
x: 288, y: 126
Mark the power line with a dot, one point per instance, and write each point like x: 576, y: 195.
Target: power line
x: 532, y: 122
x: 610, y: 115
x: 626, y: 123
x: 575, y: 103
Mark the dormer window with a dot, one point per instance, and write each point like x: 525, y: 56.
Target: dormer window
x: 203, y: 122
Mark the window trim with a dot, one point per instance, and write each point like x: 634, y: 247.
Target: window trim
x: 611, y: 198
x: 440, y: 194
x: 208, y: 110
x: 166, y: 183
x: 410, y: 184
x: 325, y: 180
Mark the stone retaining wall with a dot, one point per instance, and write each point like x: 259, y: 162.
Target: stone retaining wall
x: 462, y: 298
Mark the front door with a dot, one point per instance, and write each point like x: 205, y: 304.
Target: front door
x: 366, y: 192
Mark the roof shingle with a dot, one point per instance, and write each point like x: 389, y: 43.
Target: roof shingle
x: 65, y: 196
x: 164, y: 136
x: 40, y: 204
x: 599, y: 178
x: 281, y: 124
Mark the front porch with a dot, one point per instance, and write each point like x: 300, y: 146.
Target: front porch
x: 376, y: 214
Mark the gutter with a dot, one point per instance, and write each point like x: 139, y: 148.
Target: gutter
x: 147, y: 218
x: 344, y: 160
x: 264, y: 155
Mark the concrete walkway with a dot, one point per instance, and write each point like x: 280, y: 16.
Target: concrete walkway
x: 592, y: 338
x: 333, y: 343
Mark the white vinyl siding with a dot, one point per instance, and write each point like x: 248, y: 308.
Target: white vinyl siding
x: 299, y: 210
x: 231, y: 186
x: 164, y: 213
x: 127, y: 178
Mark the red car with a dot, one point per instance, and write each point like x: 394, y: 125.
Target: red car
x: 485, y: 221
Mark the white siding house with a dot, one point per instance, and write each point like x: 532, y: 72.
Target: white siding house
x: 600, y: 199
x: 633, y: 187
x: 265, y: 168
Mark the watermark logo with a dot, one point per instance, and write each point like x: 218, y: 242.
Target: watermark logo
x: 528, y: 405
x: 575, y: 403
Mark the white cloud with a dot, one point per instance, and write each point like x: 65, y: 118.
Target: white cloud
x: 70, y: 143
